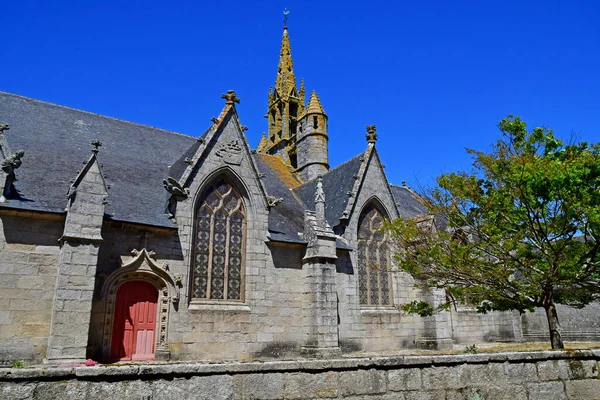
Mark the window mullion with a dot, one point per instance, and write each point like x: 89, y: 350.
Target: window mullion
x: 226, y: 267
x: 378, y: 274
x: 211, y: 243
x: 368, y: 271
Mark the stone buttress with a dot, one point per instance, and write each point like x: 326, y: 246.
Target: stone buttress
x: 80, y: 243
x: 319, y: 263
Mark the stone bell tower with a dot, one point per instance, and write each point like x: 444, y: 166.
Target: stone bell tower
x: 297, y: 133
x: 286, y: 103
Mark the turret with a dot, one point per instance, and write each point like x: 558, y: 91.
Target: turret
x: 312, y: 140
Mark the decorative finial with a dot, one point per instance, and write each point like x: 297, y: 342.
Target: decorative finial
x: 285, y: 17
x: 319, y: 194
x: 96, y: 143
x: 371, y: 133
x: 231, y: 97
x: 320, y: 201
x: 404, y: 183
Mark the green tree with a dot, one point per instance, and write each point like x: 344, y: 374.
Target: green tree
x: 520, y: 231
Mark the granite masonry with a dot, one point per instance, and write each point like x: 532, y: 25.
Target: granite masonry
x: 153, y: 245
x: 501, y: 376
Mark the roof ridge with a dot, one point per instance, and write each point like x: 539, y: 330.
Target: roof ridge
x: 96, y: 114
x: 336, y: 167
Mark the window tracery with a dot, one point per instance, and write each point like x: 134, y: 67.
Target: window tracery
x: 373, y: 259
x: 219, y: 243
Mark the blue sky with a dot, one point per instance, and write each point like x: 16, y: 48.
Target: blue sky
x: 435, y: 76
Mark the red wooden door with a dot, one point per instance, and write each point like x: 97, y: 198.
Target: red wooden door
x: 134, y: 322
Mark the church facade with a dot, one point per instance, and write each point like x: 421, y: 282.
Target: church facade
x: 152, y: 245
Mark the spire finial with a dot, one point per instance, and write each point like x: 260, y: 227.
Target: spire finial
x: 95, y: 144
x: 320, y: 200
x: 285, y: 17
x: 371, y: 133
x: 319, y: 194
x: 231, y: 97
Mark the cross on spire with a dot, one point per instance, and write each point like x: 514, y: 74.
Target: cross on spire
x: 285, y: 17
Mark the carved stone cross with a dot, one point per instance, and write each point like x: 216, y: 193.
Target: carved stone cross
x: 231, y: 97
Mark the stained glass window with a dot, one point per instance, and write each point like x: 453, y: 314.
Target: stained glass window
x: 373, y: 259
x: 219, y: 244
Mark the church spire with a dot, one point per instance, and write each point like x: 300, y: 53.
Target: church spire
x: 285, y: 106
x: 286, y: 80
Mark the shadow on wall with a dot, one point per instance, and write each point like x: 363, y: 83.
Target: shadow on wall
x: 286, y: 255
x: 343, y: 264
x: 40, y: 232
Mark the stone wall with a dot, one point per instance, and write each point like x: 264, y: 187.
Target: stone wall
x: 547, y: 375
x: 469, y: 326
x: 29, y: 253
x: 577, y: 324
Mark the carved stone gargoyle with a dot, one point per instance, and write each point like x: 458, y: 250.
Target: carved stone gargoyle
x: 8, y: 166
x: 272, y: 201
x: 178, y: 193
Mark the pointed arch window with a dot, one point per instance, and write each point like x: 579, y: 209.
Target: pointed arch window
x: 219, y: 243
x: 373, y: 259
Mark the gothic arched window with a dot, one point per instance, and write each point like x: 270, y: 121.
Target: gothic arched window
x: 219, y: 241
x: 373, y: 259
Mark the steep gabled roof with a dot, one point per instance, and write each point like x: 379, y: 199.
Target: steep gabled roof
x: 408, y: 202
x: 179, y: 167
x: 337, y: 184
x: 56, y: 140
x: 286, y: 219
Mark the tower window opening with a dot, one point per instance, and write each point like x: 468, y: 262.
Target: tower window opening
x: 293, y: 160
x: 293, y: 110
x: 315, y: 122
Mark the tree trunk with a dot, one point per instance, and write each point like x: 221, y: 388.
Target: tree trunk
x: 554, y: 326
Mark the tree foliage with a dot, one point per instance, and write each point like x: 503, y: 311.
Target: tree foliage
x: 520, y: 231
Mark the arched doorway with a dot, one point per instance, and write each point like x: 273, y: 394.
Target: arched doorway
x: 134, y: 326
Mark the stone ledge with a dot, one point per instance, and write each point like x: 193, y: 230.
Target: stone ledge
x: 193, y: 306
x: 119, y: 372
x: 379, y: 311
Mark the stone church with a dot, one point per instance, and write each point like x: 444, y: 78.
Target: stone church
x: 125, y: 242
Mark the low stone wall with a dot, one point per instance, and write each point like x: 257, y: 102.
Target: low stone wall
x: 571, y: 375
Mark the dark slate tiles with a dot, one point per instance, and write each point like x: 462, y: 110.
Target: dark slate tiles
x: 56, y: 141
x: 337, y: 183
x: 408, y: 203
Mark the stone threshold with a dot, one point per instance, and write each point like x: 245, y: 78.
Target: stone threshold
x: 118, y: 372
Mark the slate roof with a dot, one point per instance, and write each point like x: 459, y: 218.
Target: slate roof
x: 407, y: 202
x: 286, y: 219
x: 336, y: 185
x: 56, y: 140
x: 178, y: 168
x: 136, y: 159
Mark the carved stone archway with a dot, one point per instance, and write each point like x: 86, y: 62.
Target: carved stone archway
x: 142, y: 267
